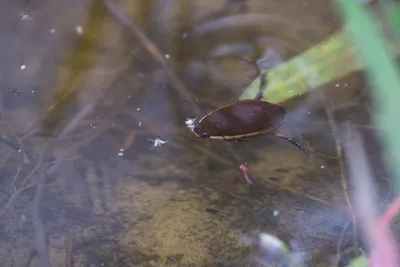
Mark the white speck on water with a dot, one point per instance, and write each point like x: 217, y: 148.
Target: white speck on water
x: 337, y: 85
x: 25, y: 17
x: 157, y: 142
x: 19, y: 150
x: 309, y: 113
x: 52, y: 30
x: 92, y: 126
x: 138, y: 109
x: 275, y: 213
x: 322, y: 166
x: 167, y: 56
x: 185, y: 35
x: 22, y: 67
x: 121, y: 149
x: 190, y: 123
x: 140, y: 123
x: 32, y: 91
x: 120, y: 154
x: 79, y: 30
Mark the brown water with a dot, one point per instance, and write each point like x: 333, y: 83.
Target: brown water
x: 184, y: 203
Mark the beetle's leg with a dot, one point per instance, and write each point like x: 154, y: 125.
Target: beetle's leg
x: 263, y: 84
x: 292, y: 141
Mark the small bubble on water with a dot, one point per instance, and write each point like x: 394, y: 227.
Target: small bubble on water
x: 92, y: 126
x: 121, y: 149
x: 22, y: 67
x: 138, y: 109
x: 167, y: 56
x: 322, y: 166
x: 79, y: 29
x: 309, y: 113
x: 52, y: 30
x: 120, y: 154
x: 337, y: 85
x: 140, y: 123
x: 275, y: 213
x: 32, y: 91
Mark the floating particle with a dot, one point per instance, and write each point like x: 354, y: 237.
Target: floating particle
x: 79, y: 30
x: 275, y: 213
x: 120, y: 154
x: 167, y: 56
x: 92, y: 126
x: 337, y: 85
x: 22, y: 67
x: 121, y: 149
x: 138, y: 109
x: 309, y: 113
x: 157, y: 142
x: 52, y: 30
x: 322, y: 166
x: 25, y: 17
x: 190, y: 123
x: 140, y: 123
x: 185, y: 35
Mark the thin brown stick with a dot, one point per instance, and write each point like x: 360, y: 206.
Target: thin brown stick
x: 40, y: 235
x: 343, y: 178
x: 299, y: 193
x: 153, y: 50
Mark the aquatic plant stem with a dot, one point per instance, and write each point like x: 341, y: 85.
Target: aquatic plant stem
x: 339, y: 153
x: 383, y: 73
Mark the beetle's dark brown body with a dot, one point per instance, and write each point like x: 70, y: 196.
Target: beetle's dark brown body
x: 242, y: 119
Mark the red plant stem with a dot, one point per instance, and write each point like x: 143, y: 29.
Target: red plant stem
x: 384, y: 248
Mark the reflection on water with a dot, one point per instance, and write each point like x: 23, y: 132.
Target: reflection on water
x: 112, y: 198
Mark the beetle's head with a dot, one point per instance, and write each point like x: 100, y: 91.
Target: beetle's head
x: 200, y: 130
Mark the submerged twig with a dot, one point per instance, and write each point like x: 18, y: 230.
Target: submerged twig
x: 152, y: 49
x: 339, y: 153
x: 23, y: 186
x: 40, y: 235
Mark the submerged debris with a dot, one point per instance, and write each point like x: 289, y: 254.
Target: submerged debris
x: 190, y: 123
x: 157, y: 142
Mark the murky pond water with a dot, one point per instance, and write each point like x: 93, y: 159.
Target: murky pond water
x: 82, y: 103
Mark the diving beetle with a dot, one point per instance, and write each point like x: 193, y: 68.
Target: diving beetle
x: 243, y: 119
